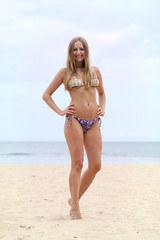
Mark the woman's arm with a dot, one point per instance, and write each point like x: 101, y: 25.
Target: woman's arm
x: 101, y: 93
x: 57, y: 81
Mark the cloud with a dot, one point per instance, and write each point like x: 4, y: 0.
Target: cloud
x: 123, y: 37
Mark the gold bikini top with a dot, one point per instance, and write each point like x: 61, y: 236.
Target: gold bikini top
x: 76, y: 81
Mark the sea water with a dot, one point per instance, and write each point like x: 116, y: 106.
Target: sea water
x: 58, y: 153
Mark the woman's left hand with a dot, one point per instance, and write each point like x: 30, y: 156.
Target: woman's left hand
x: 100, y: 111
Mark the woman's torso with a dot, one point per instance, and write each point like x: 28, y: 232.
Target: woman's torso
x: 85, y: 101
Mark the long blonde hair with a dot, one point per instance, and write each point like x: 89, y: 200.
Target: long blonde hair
x: 71, y: 65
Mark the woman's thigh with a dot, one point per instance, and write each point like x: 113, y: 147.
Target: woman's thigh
x: 75, y: 139
x: 93, y: 145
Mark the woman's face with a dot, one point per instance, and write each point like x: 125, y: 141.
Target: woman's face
x: 78, y: 51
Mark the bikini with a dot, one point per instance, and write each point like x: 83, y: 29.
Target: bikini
x: 76, y: 81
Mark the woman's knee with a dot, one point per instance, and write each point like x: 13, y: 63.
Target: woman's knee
x: 96, y: 167
x: 77, y: 164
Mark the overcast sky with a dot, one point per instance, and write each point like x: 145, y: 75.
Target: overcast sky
x: 124, y: 41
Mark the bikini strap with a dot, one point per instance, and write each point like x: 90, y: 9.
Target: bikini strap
x: 94, y: 75
x: 69, y: 120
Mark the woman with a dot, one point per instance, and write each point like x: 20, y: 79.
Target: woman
x: 82, y: 117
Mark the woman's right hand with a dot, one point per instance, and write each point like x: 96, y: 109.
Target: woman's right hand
x: 71, y: 109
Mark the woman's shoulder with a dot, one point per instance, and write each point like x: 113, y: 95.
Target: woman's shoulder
x: 62, y: 71
x: 95, y: 69
x: 61, y: 74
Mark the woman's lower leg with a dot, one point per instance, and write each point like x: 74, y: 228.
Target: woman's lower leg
x: 74, y: 184
x: 86, y: 180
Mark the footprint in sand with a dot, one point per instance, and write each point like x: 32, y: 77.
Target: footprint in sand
x: 100, y: 212
x: 26, y: 227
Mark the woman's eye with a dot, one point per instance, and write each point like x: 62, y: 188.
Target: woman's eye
x: 75, y: 49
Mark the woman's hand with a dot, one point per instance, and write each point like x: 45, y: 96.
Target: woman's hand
x: 71, y: 109
x: 100, y: 111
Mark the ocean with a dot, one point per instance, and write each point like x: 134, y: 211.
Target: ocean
x: 57, y: 153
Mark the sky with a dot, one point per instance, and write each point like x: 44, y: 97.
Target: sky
x: 124, y: 43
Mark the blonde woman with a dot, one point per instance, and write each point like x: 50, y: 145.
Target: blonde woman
x: 82, y: 124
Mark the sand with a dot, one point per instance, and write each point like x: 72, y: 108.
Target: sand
x: 123, y: 203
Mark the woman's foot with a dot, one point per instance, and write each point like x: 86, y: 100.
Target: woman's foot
x: 70, y: 201
x: 75, y: 214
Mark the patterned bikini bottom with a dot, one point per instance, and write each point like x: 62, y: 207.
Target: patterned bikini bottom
x: 86, y: 124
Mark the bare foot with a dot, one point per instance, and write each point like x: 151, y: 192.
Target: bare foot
x: 70, y: 201
x: 75, y: 214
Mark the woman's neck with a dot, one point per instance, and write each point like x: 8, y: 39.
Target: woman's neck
x: 79, y: 69
x: 79, y: 64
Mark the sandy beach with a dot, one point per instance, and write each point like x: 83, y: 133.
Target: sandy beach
x: 123, y: 203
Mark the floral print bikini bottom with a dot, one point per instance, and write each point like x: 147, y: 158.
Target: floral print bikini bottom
x: 86, y: 124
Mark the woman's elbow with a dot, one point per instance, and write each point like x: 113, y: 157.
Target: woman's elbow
x: 102, y: 94
x: 44, y: 96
